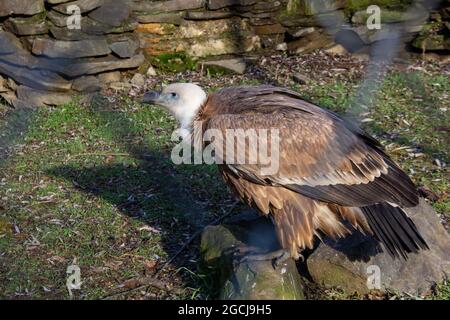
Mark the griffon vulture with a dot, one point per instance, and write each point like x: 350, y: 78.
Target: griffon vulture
x: 329, y: 170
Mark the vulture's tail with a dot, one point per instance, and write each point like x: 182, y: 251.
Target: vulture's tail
x: 394, y: 229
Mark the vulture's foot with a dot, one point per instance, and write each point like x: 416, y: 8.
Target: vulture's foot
x: 248, y: 254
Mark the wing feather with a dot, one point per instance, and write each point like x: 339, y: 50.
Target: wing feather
x: 320, y: 155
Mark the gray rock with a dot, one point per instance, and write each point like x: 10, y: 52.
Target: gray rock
x: 168, y: 6
x: 151, y: 72
x: 330, y: 20
x: 108, y: 77
x: 125, y: 48
x: 3, y: 87
x: 70, y: 49
x: 18, y: 64
x: 207, y: 15
x: 112, y: 12
x: 267, y: 6
x: 36, y: 78
x: 86, y: 84
x: 98, y: 65
x: 281, y: 46
x: 93, y: 27
x: 336, y: 49
x: 38, y: 98
x: 302, y: 32
x: 84, y: 5
x: 219, y: 4
x: 171, y: 18
x: 21, y: 7
x: 120, y: 86
x: 253, y: 279
x: 419, y: 14
x: 58, y: 19
x: 345, y: 263
x: 26, y: 26
x: 310, y: 42
x: 66, y: 34
x: 314, y: 7
x: 236, y: 65
x: 138, y: 80
x: 9, y: 43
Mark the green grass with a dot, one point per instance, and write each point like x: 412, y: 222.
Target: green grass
x: 87, y: 181
x: 95, y: 183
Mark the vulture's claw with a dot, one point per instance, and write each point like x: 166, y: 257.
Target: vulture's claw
x: 248, y: 254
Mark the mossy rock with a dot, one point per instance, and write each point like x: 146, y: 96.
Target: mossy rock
x: 387, y: 16
x: 173, y: 62
x: 260, y: 281
x: 234, y: 280
x: 432, y: 42
x: 356, y: 5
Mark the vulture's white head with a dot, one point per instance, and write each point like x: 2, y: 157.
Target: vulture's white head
x: 183, y: 100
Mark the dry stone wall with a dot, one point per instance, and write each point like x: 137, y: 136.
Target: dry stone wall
x: 68, y: 46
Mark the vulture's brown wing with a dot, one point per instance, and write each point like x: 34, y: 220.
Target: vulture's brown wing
x: 320, y: 155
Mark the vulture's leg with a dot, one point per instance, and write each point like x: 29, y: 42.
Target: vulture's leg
x: 248, y: 254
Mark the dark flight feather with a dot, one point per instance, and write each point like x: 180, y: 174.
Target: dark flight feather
x: 394, y: 229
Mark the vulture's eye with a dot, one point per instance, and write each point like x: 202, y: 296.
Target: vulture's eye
x: 173, y: 95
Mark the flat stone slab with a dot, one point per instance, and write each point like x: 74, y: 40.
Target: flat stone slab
x: 65, y: 34
x: 70, y: 49
x: 57, y: 18
x: 98, y: 65
x: 175, y: 18
x: 30, y: 97
x: 236, y: 65
x: 125, y: 47
x: 19, y: 65
x: 26, y: 26
x: 219, y: 4
x: 39, y: 79
x: 87, y: 84
x: 21, y: 7
x: 351, y: 263
x: 84, y: 5
x: 111, y: 12
x: 168, y: 6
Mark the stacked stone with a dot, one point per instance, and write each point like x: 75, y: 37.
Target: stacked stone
x: 203, y: 28
x: 38, y: 49
x: 42, y: 52
x: 435, y: 35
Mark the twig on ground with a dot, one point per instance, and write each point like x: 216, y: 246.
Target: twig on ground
x: 143, y: 283
x: 153, y: 281
x: 194, y: 236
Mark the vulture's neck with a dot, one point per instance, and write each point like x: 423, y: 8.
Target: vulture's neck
x: 187, y: 122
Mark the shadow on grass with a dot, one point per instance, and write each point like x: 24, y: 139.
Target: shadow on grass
x: 151, y: 190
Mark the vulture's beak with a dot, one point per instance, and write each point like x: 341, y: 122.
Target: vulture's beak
x: 152, y: 97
